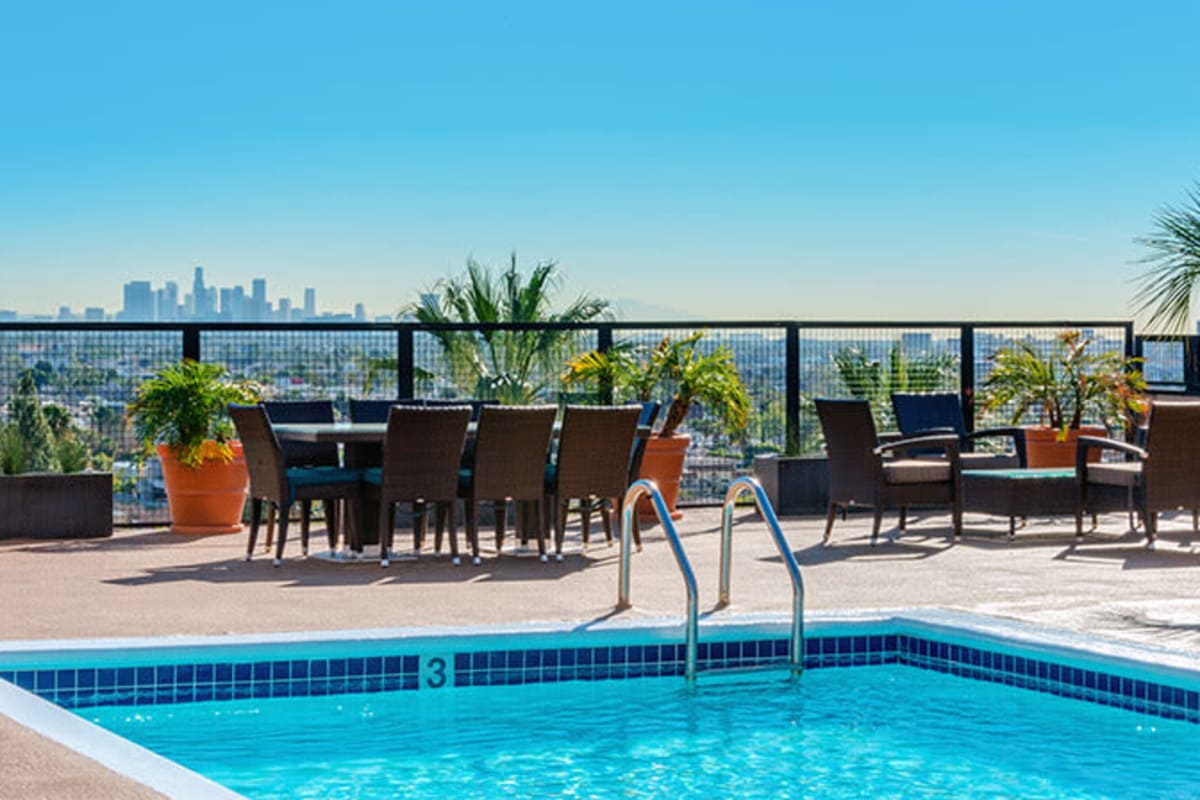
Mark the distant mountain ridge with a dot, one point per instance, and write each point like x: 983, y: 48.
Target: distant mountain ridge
x: 628, y: 310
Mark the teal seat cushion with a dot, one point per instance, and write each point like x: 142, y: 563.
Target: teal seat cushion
x: 313, y: 476
x: 465, y: 479
x: 373, y: 476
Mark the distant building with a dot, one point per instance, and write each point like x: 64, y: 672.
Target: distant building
x: 139, y: 302
x: 360, y: 313
x: 93, y: 314
x: 8, y: 316
x: 284, y: 313
x: 200, y: 305
x: 310, y: 303
x: 258, y: 300
x: 64, y: 313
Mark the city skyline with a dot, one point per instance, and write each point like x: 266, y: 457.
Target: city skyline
x: 824, y: 161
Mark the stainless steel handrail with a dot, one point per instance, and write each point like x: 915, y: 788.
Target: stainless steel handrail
x: 644, y: 488
x: 736, y: 489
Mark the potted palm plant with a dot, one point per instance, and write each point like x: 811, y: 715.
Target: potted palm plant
x: 691, y: 375
x: 181, y: 413
x: 1064, y: 385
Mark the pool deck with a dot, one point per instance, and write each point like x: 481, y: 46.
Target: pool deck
x: 146, y: 582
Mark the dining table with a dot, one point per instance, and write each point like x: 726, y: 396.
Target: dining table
x: 366, y: 516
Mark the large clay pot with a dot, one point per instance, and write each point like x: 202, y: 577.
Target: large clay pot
x: 209, y: 498
x: 1044, y: 450
x: 663, y: 464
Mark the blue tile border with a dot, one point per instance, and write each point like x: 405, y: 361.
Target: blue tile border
x: 316, y: 677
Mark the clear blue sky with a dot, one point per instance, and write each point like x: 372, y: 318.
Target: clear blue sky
x: 834, y: 160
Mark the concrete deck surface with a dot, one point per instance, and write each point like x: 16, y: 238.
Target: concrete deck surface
x: 150, y: 582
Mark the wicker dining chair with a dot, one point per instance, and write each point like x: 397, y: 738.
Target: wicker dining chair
x: 271, y: 480
x: 859, y: 475
x: 593, y: 463
x: 305, y: 454
x: 508, y: 463
x: 1162, y: 475
x: 422, y: 454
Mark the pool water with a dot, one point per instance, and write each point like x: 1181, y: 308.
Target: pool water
x: 878, y: 732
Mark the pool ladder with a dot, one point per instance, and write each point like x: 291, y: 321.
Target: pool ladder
x: 740, y: 486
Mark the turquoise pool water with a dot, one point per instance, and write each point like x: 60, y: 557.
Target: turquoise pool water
x: 880, y: 732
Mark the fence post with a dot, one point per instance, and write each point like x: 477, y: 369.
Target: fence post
x: 604, y: 343
x: 966, y: 350
x: 405, y: 366
x: 191, y: 342
x: 791, y: 430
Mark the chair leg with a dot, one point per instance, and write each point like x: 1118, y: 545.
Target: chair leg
x: 387, y: 522
x: 420, y: 520
x: 829, y: 518
x: 1150, y: 519
x: 586, y: 523
x: 876, y: 523
x: 305, y: 522
x: 956, y: 519
x: 283, y: 525
x: 255, y: 518
x: 560, y: 526
x: 903, y: 518
x: 439, y: 517
x: 471, y: 516
x: 538, y: 507
x: 606, y: 521
x: 501, y: 509
x: 270, y: 528
x: 331, y: 522
x: 446, y: 513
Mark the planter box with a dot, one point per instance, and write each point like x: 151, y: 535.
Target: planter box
x: 794, y: 484
x: 53, y: 506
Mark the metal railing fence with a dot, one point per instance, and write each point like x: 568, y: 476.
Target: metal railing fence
x: 92, y: 370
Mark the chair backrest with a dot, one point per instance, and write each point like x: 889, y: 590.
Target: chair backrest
x: 649, y: 413
x: 917, y: 413
x: 1172, y: 473
x: 593, y: 450
x: 264, y: 457
x: 850, y: 440
x: 511, y: 443
x: 304, y: 454
x: 376, y: 410
x: 422, y: 451
x: 475, y: 405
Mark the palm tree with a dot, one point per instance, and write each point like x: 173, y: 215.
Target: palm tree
x: 1168, y: 284
x: 504, y: 364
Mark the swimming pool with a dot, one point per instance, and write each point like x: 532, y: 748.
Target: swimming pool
x: 913, y: 704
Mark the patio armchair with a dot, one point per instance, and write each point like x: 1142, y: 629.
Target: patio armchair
x: 932, y: 413
x: 860, y: 475
x: 422, y: 453
x: 273, y: 481
x: 1163, y: 475
x: 592, y: 462
x: 305, y: 454
x: 508, y: 463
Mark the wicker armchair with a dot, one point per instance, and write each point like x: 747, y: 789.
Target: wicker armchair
x: 508, y: 463
x: 275, y: 482
x: 859, y: 475
x: 1163, y: 475
x: 305, y: 454
x: 932, y: 413
x: 594, y: 451
x: 421, y: 458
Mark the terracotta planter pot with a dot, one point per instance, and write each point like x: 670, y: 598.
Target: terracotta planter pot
x: 663, y: 464
x: 1043, y: 449
x: 208, y: 499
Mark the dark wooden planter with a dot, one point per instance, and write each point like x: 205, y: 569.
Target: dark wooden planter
x: 53, y: 506
x: 794, y: 484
